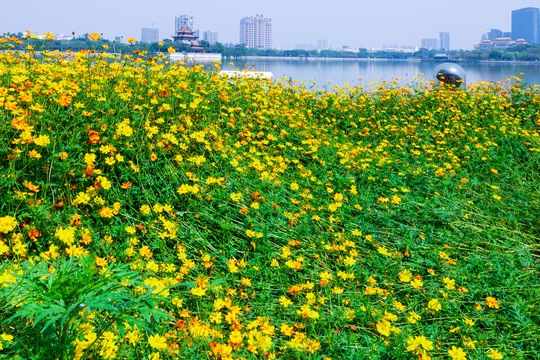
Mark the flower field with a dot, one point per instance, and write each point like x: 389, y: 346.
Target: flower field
x: 158, y: 211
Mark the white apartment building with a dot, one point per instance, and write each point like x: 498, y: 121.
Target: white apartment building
x: 181, y: 20
x: 256, y: 32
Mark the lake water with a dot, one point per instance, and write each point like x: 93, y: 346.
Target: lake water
x: 356, y: 72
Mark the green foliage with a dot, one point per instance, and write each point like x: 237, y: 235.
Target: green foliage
x: 47, y: 303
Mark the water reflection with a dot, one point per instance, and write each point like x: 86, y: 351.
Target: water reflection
x: 364, y: 72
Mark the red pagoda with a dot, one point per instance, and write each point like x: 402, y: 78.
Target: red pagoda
x: 186, y: 36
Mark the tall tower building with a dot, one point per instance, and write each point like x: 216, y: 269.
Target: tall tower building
x: 322, y: 44
x: 444, y: 41
x: 181, y: 20
x: 429, y: 44
x: 210, y: 36
x: 256, y: 32
x: 149, y: 35
x: 526, y: 25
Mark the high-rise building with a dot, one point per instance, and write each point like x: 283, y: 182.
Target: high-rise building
x: 256, y: 32
x: 429, y: 44
x: 210, y: 36
x: 444, y: 41
x: 494, y: 34
x: 149, y: 35
x: 526, y: 25
x: 322, y: 44
x: 181, y: 20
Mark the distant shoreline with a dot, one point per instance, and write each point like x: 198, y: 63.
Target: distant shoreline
x: 300, y: 58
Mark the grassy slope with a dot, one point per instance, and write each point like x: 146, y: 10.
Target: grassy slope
x: 359, y: 184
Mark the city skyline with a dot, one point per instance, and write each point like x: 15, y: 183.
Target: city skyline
x: 344, y: 23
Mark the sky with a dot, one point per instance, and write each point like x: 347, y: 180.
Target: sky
x: 356, y: 23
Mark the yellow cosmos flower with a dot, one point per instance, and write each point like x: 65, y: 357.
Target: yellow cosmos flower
x: 198, y: 291
x: 417, y: 283
x: 7, y: 224
x: 405, y: 276
x: 157, y: 342
x: 457, y: 353
x: 434, y: 305
x: 494, y: 354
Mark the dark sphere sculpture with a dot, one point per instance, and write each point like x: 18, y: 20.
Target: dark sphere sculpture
x: 450, y: 74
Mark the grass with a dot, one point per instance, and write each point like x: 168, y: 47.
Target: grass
x: 204, y: 217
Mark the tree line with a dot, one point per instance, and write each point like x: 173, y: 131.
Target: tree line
x: 517, y: 53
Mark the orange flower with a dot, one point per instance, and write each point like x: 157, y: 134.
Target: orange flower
x: 171, y: 50
x: 65, y: 100
x: 94, y: 36
x: 131, y: 40
x: 31, y: 187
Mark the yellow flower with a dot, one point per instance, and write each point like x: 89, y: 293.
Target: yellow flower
x: 434, y: 305
x: 449, y: 283
x: 413, y: 317
x: 384, y: 327
x: 42, y: 140
x: 294, y: 186
x: 285, y: 302
x: 198, y: 291
x: 417, y: 342
x: 399, y: 306
x: 7, y: 337
x: 492, y: 302
x: 82, y: 198
x: 337, y: 290
x: 145, y: 209
x: 236, y: 197
x: 131, y: 40
x: 287, y: 330
x: 157, y: 342
x: 171, y: 50
x: 7, y: 223
x: 494, y: 354
x: 405, y: 276
x: 457, y: 353
x: 66, y: 235
x: 417, y: 283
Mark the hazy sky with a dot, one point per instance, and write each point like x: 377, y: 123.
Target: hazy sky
x: 357, y: 23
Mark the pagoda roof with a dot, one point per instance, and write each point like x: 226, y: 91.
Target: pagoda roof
x: 196, y: 47
x: 185, y: 34
x: 184, y: 31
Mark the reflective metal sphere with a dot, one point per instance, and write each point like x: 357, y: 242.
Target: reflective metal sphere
x: 451, y: 74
